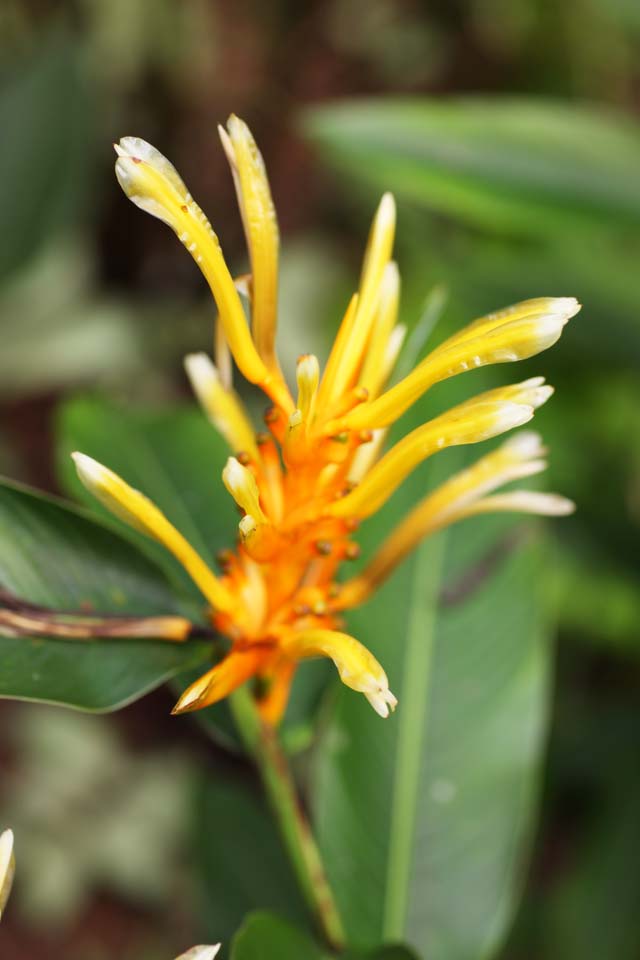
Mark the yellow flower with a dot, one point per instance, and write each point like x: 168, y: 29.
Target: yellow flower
x: 305, y: 483
x: 7, y: 867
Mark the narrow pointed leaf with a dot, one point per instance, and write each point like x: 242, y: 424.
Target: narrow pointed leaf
x: 523, y: 165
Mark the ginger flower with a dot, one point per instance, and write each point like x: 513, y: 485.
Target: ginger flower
x: 319, y: 468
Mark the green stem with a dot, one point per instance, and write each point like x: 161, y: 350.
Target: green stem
x: 262, y: 742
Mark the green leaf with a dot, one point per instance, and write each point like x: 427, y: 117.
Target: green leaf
x: 241, y: 863
x: 383, y: 953
x: 54, y: 555
x: 44, y: 117
x: 175, y: 457
x: 521, y: 165
x: 264, y: 936
x: 423, y: 818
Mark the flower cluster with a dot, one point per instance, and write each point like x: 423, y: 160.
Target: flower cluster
x: 319, y: 468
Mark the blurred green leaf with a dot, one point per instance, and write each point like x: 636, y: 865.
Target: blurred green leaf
x: 56, y: 330
x: 521, y: 165
x: 241, y: 864
x: 264, y: 936
x: 424, y: 818
x: 593, y: 911
x: 53, y: 555
x: 382, y: 953
x: 44, y: 118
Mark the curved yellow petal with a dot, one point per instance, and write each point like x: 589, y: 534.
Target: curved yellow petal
x: 222, y: 406
x: 236, y: 668
x: 348, y: 350
x: 139, y: 512
x: 261, y: 231
x: 358, y: 668
x: 518, y: 457
x: 153, y: 184
x: 485, y: 416
x: 514, y: 334
x: 377, y: 362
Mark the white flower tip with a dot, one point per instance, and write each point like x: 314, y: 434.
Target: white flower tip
x: 234, y: 476
x: 533, y: 382
x: 247, y: 526
x: 201, y: 371
x: 308, y: 369
x: 295, y: 419
x: 566, y: 307
x: 526, y: 445
x: 134, y: 148
x: 554, y: 505
x: 242, y: 485
x: 537, y: 396
x: 89, y: 470
x: 7, y: 867
x: 200, y: 953
x: 510, y: 415
x: 237, y: 128
x: 386, y: 213
x: 377, y: 692
x: 530, y: 501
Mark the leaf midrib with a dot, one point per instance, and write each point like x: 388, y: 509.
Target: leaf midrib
x: 412, y: 726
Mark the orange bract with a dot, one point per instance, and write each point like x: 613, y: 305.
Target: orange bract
x: 304, y: 484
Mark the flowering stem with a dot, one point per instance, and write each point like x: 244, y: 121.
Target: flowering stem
x: 261, y: 740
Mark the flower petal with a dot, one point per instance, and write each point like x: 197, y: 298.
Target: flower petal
x: 358, y: 668
x: 140, y: 513
x: 485, y: 416
x: 153, y: 184
x: 222, y: 406
x: 261, y: 230
x: 513, y: 334
x: 236, y: 668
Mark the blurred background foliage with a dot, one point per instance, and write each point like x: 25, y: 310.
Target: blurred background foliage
x: 508, y: 131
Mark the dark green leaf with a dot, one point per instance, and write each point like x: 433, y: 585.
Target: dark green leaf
x: 383, y: 953
x: 53, y: 555
x: 241, y: 862
x: 264, y: 936
x: 519, y: 165
x: 423, y: 818
x: 44, y: 121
